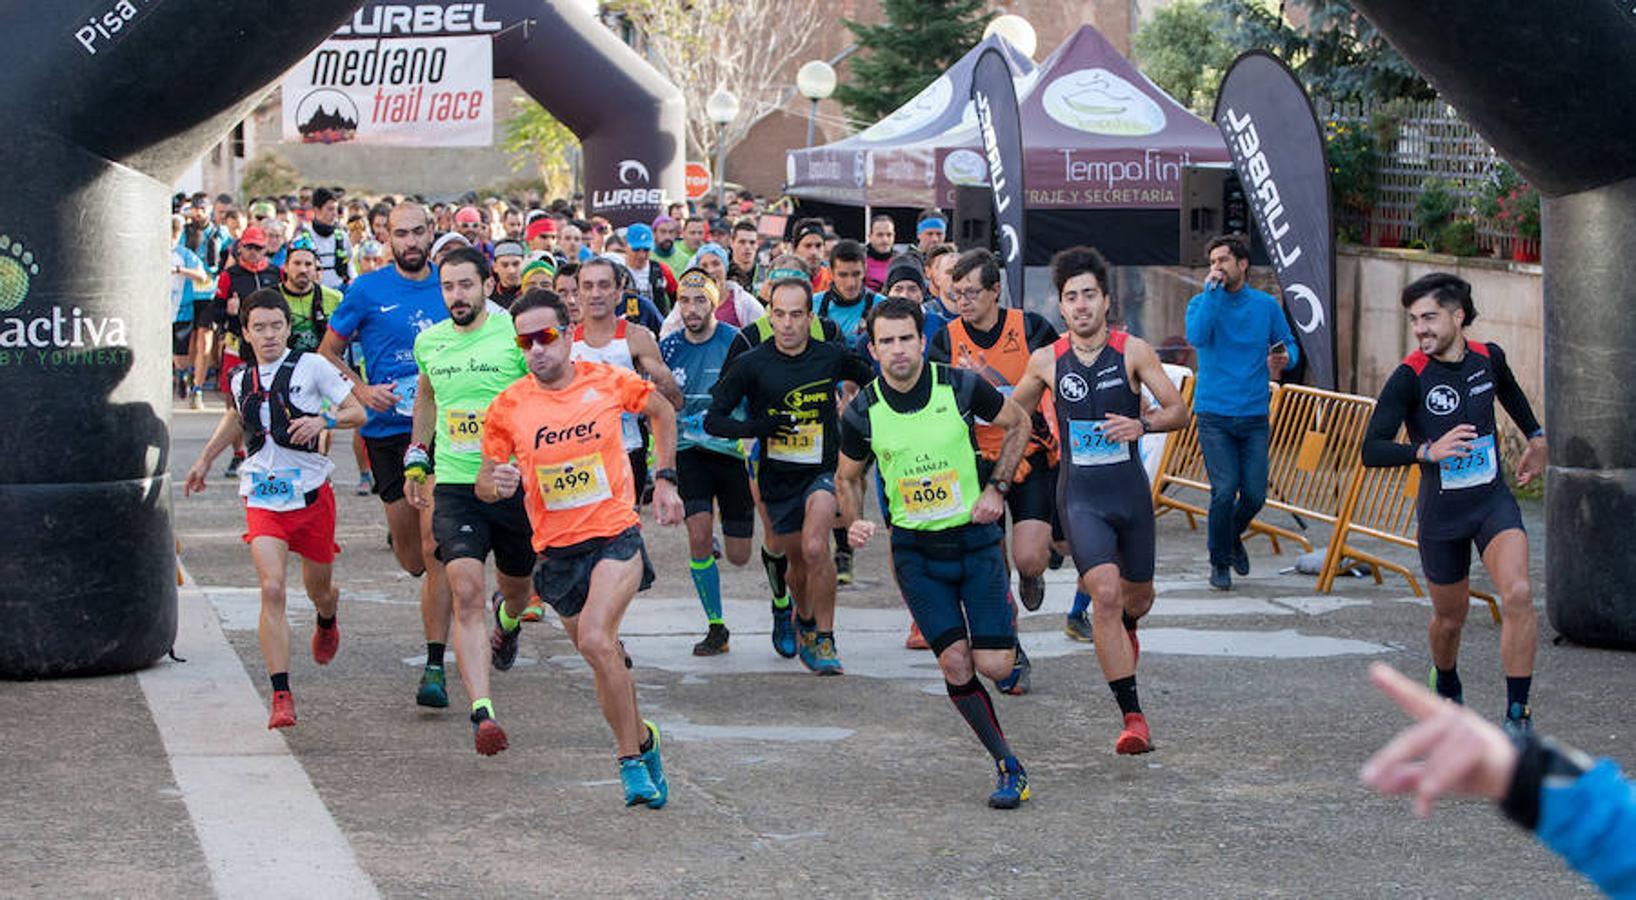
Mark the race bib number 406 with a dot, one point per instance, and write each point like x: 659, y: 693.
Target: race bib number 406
x: 931, y: 497
x: 573, y: 484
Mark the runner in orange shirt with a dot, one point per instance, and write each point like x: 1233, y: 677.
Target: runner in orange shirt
x: 562, y: 428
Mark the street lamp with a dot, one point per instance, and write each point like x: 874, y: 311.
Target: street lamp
x: 1017, y: 32
x: 816, y: 81
x: 722, y: 108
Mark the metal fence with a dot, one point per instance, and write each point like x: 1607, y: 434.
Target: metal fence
x: 1423, y: 140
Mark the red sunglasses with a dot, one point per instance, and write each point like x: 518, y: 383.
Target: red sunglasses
x: 545, y: 337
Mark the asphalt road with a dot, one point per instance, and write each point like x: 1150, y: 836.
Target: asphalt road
x: 164, y: 784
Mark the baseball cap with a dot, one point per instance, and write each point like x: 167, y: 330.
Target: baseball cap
x: 468, y: 215
x: 509, y: 248
x: 542, y: 225
x: 371, y: 249
x: 261, y: 209
x: 639, y: 237
x: 254, y: 237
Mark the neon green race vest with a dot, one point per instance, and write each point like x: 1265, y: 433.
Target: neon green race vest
x: 926, y: 458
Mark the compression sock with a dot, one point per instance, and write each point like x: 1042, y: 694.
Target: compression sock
x: 1516, y: 689
x: 707, y: 581
x: 434, y: 654
x: 508, y: 622
x: 1447, y: 684
x: 281, y: 681
x: 973, y: 703
x: 777, y: 566
x: 481, y: 709
x: 1124, y: 693
x: 1082, y: 602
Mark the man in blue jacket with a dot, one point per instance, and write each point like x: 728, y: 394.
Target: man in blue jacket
x: 1243, y: 340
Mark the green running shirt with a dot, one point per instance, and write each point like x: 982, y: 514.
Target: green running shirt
x: 467, y: 370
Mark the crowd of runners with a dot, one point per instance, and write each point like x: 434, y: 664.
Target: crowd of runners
x: 522, y: 384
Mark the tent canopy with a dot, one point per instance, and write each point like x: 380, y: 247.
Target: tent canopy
x: 1097, y: 135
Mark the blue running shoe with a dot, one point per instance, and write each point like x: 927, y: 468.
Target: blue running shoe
x: 656, y: 769
x: 1519, y: 719
x: 824, y: 659
x: 784, y: 631
x: 1010, y: 784
x: 432, y: 691
x: 806, y: 646
x: 639, y: 789
x: 1017, y: 683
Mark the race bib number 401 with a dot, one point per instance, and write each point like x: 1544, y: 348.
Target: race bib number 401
x: 1476, y: 468
x: 573, y: 484
x: 277, y: 491
x: 465, y: 430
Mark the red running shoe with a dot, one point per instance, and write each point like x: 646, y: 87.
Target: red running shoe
x: 1134, y: 739
x: 283, y: 710
x: 491, y: 738
x: 325, y: 641
x: 915, y: 640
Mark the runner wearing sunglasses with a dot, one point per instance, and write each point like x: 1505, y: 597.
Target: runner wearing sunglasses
x: 561, y: 426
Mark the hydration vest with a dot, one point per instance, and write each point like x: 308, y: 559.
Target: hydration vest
x: 279, y: 413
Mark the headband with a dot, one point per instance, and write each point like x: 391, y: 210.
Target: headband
x: 696, y: 279
x: 932, y: 222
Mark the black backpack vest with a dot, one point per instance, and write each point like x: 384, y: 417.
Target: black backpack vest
x: 279, y: 413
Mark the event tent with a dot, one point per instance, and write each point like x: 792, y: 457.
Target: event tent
x: 1104, y: 152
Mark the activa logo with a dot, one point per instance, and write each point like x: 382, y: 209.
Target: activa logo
x: 17, y: 270
x: 62, y: 332
x: 420, y: 18
x: 547, y: 435
x: 632, y: 171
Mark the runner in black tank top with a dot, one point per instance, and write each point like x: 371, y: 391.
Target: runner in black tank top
x: 1103, y: 489
x: 1094, y: 378
x: 1444, y: 395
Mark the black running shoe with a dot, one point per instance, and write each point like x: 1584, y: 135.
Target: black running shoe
x: 503, y: 642
x: 714, y: 643
x: 1031, y: 589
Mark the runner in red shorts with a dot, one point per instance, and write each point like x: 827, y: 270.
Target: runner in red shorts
x: 288, y: 504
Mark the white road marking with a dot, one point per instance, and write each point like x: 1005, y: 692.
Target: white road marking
x: 241, y: 784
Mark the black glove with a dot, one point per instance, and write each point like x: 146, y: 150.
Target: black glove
x: 776, y: 424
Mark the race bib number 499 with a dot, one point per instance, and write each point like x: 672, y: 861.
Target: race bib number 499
x: 573, y: 484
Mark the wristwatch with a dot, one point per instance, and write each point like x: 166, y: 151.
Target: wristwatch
x: 1145, y: 426
x: 668, y: 475
x: 1001, y: 486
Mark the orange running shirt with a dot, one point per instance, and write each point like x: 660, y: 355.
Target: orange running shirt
x: 576, y: 476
